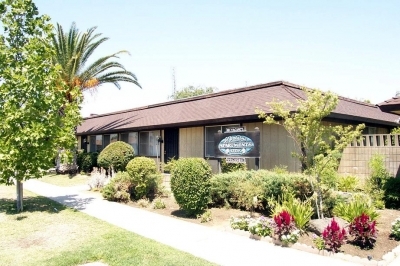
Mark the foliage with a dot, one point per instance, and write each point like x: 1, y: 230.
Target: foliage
x: 280, y: 169
x: 143, y: 203
x: 334, y: 236
x: 301, y: 211
x: 348, y: 183
x: 392, y: 193
x: 74, y: 49
x: 97, y: 180
x: 231, y: 167
x: 364, y: 231
x: 319, y: 242
x: 248, y: 194
x: 86, y: 160
x: 226, y: 188
x: 241, y: 222
x: 190, y: 184
x: 329, y: 175
x: 158, y: 204
x: 377, y: 179
x: 205, y: 217
x: 141, y: 170
x: 119, y: 188
x: 395, y: 130
x: 355, y: 207
x: 169, y: 165
x: 116, y: 155
x: 192, y: 91
x: 284, y: 227
x: 31, y: 95
x: 319, y: 144
x: 260, y: 226
x: 395, y: 231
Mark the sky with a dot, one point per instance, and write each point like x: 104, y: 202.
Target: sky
x: 349, y: 47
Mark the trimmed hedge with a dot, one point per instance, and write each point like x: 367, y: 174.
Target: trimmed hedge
x: 142, y: 173
x: 239, y: 189
x: 116, y: 155
x: 190, y: 184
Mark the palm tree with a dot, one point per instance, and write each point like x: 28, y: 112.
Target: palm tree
x: 73, y: 49
x: 72, y: 52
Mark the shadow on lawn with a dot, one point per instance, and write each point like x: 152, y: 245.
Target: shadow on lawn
x: 43, y: 204
x: 31, y: 204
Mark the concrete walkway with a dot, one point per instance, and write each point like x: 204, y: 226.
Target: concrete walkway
x: 220, y: 247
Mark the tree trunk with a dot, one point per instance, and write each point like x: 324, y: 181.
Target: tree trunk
x: 20, y: 196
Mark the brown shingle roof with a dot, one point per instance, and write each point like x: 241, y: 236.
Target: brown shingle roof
x: 391, y: 105
x: 225, y: 106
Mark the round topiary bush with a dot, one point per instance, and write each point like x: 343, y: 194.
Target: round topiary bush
x: 142, y: 171
x: 190, y: 184
x: 116, y: 155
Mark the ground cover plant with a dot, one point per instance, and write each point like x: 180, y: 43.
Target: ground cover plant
x: 50, y: 234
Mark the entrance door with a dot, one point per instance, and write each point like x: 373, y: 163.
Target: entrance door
x: 171, y: 144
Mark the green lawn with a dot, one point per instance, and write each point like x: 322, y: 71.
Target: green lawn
x: 65, y: 180
x: 47, y: 233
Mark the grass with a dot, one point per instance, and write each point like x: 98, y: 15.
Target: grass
x: 48, y: 233
x: 66, y: 180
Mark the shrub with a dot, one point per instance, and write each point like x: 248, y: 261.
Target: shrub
x: 190, y: 184
x: 169, y: 165
x: 285, y: 228
x: 205, y: 217
x: 395, y: 231
x: 97, y: 180
x: 355, y: 207
x: 232, y: 167
x: 158, y: 204
x: 301, y: 211
x: 364, y: 231
x: 240, y: 223
x: 116, y: 155
x: 143, y: 203
x: 334, y: 236
x: 280, y: 169
x: 392, y: 193
x: 347, y: 183
x: 142, y: 171
x: 377, y: 179
x: 260, y: 227
x: 118, y: 189
x: 248, y: 194
x: 86, y: 161
x: 319, y: 242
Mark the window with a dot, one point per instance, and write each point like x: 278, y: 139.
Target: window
x: 113, y: 138
x: 106, y: 140
x: 209, y: 139
x: 99, y: 142
x: 132, y: 139
x: 148, y: 144
x: 96, y: 143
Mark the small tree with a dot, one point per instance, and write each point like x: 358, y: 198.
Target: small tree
x: 192, y: 91
x: 318, y: 144
x: 32, y: 97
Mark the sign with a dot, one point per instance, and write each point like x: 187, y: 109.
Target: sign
x: 235, y: 129
x: 237, y: 144
x: 236, y: 160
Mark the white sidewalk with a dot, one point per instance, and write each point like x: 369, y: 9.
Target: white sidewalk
x: 223, y: 248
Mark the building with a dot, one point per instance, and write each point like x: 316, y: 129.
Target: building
x: 186, y: 127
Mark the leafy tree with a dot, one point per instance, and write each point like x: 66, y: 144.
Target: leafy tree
x: 31, y: 96
x: 74, y: 49
x: 192, y: 91
x: 319, y: 144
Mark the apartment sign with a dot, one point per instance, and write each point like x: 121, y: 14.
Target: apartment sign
x: 237, y: 144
